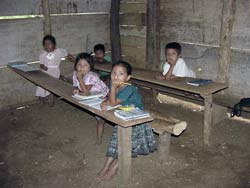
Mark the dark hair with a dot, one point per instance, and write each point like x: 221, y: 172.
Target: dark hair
x: 87, y: 57
x: 174, y: 45
x: 99, y: 47
x: 124, y: 64
x: 50, y: 38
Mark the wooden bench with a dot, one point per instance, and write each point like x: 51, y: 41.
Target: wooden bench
x: 165, y: 126
x: 64, y: 90
x: 146, y: 78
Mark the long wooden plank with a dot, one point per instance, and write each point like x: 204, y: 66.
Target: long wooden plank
x: 146, y: 75
x: 64, y: 90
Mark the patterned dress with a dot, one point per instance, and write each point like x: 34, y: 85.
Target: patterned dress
x: 91, y: 78
x: 51, y: 60
x: 143, y: 141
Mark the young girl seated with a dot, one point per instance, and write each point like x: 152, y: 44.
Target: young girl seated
x: 50, y: 60
x: 143, y: 141
x: 175, y: 65
x: 86, y: 81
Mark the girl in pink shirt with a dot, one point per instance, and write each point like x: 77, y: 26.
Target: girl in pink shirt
x: 85, y: 81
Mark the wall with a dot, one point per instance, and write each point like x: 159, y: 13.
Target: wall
x: 22, y: 38
x: 133, y: 31
x: 196, y: 25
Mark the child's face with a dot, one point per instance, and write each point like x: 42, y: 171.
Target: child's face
x: 119, y: 74
x: 172, y: 55
x: 83, y: 66
x: 49, y: 46
x: 99, y: 54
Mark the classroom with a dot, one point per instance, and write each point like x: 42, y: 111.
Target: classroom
x: 124, y: 93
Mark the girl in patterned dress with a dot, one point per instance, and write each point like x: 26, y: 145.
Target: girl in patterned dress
x: 143, y: 142
x: 50, y: 60
x: 85, y: 81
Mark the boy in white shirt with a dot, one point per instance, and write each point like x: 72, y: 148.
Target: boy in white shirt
x: 175, y: 65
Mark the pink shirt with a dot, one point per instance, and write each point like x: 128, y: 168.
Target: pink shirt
x: 93, y: 79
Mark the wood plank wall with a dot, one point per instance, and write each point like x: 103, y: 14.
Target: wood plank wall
x: 133, y: 31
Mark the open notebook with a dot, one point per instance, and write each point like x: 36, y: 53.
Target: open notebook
x: 96, y: 103
x: 85, y: 97
x: 20, y: 65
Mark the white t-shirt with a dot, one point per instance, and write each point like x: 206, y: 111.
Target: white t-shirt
x: 180, y: 69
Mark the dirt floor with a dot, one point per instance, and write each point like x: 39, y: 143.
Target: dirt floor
x: 54, y: 147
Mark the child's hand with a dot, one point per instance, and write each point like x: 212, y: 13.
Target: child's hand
x: 116, y: 85
x: 160, y: 77
x: 44, y: 67
x: 104, y: 105
x: 79, y: 75
x: 75, y: 91
x: 70, y: 57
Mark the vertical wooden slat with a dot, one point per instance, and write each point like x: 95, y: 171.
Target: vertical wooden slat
x: 153, y: 34
x: 47, y: 20
x: 115, y: 30
x: 228, y: 14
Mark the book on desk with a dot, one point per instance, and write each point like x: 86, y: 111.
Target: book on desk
x: 20, y: 65
x: 82, y: 97
x: 199, y: 82
x: 96, y: 103
x: 133, y: 114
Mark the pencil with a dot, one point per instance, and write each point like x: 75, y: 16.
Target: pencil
x: 123, y: 83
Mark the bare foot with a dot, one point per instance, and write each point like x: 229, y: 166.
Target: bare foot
x: 100, y: 174
x: 109, y: 175
x: 98, y: 142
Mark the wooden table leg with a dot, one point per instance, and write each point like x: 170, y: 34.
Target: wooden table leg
x: 124, y: 153
x: 164, y: 147
x: 208, y: 118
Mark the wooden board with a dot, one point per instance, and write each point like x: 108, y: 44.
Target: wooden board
x: 133, y: 7
x: 148, y: 77
x: 138, y: 19
x: 64, y: 90
x: 136, y: 56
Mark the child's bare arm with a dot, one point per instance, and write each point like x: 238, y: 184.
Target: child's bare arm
x: 70, y: 57
x: 85, y: 88
x: 42, y: 66
x: 105, y: 104
x: 170, y: 72
x: 112, y: 98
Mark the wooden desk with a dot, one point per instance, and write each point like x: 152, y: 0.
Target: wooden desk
x: 64, y: 90
x: 147, y: 78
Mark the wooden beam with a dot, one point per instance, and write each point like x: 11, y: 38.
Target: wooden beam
x: 115, y: 30
x: 47, y: 20
x: 228, y: 15
x: 124, y: 153
x: 208, y: 119
x: 164, y: 147
x: 153, y: 34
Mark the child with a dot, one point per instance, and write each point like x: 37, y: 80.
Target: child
x: 142, y: 136
x: 175, y: 65
x: 50, y: 60
x: 86, y: 81
x: 101, y: 57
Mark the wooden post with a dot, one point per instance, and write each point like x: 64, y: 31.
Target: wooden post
x: 228, y: 14
x: 46, y: 14
x: 164, y: 147
x: 115, y: 31
x: 124, y: 153
x: 208, y: 118
x: 153, y: 34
